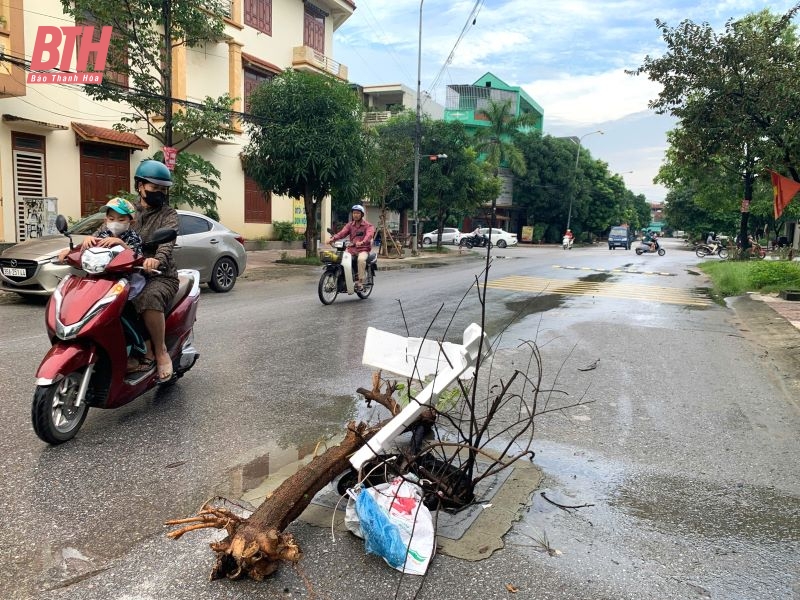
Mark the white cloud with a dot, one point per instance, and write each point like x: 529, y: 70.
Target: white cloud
x: 593, y: 98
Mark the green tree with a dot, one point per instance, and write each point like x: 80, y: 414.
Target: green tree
x: 388, y: 162
x: 138, y: 72
x: 736, y: 94
x: 455, y: 185
x: 306, y: 139
x: 495, y: 142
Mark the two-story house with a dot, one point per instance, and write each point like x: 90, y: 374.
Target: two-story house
x: 58, y: 144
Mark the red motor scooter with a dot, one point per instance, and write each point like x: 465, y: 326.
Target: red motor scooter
x: 86, y: 320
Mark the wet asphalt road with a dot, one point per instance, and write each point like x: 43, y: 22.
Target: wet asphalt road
x: 685, y: 446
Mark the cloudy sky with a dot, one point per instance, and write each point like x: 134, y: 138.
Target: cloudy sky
x: 568, y: 55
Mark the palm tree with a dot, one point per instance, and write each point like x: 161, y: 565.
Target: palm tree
x: 496, y: 142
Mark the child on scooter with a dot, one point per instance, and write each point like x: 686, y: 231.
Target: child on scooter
x: 116, y: 229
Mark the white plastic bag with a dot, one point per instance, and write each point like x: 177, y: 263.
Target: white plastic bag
x: 401, y: 502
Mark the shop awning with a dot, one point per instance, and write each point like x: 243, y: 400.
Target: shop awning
x: 101, y: 135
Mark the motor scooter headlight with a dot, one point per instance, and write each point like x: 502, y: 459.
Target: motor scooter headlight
x: 95, y: 260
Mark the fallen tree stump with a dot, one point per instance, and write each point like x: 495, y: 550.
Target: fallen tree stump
x: 255, y: 545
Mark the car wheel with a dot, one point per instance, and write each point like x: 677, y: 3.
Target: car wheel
x: 501, y: 244
x: 427, y: 241
x: 223, y: 275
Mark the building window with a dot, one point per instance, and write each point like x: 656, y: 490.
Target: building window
x: 115, y: 55
x: 314, y: 28
x: 252, y: 79
x: 258, y: 14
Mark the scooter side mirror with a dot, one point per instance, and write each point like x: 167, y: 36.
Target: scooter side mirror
x: 329, y: 230
x: 161, y: 236
x: 61, y: 224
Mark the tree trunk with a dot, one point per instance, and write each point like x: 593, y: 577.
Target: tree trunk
x: 255, y: 546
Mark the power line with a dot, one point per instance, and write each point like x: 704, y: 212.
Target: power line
x: 471, y: 20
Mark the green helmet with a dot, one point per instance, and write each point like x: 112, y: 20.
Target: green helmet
x: 153, y: 171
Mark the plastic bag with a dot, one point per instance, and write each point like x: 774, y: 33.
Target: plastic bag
x: 394, y: 524
x: 381, y: 536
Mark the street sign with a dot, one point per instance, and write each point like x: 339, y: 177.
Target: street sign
x: 170, y: 155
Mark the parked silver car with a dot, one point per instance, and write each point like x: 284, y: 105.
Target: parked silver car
x: 203, y: 244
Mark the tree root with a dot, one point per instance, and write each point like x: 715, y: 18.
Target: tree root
x: 255, y: 546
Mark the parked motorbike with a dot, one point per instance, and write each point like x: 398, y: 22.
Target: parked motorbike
x: 339, y: 272
x: 645, y: 249
x: 91, y: 328
x: 704, y: 250
x: 566, y: 243
x: 475, y: 241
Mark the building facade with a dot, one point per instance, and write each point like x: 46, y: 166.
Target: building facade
x: 59, y: 152
x: 464, y: 103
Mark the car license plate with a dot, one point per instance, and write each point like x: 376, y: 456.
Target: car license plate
x: 9, y: 272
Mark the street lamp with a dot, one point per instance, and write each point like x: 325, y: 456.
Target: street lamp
x: 414, y: 249
x: 575, y: 173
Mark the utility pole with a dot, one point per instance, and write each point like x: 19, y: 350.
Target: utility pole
x: 166, y: 10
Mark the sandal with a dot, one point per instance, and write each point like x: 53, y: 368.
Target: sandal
x: 143, y: 366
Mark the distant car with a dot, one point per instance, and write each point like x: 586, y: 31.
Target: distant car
x: 500, y: 237
x: 203, y: 244
x: 620, y: 237
x: 450, y: 235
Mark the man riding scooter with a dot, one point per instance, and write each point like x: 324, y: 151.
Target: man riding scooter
x: 361, y: 233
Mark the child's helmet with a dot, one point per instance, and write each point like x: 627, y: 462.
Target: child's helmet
x: 121, y: 206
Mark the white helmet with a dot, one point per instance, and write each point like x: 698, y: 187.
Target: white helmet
x: 359, y: 208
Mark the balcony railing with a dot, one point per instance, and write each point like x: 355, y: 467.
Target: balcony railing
x: 377, y: 116
x: 305, y: 56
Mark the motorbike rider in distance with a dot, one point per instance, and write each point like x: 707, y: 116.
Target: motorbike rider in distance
x: 361, y: 233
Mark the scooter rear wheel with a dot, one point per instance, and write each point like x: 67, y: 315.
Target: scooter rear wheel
x: 328, y: 287
x: 364, y: 292
x: 53, y: 413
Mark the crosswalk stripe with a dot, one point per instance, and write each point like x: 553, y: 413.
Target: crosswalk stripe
x: 607, y: 289
x: 598, y: 270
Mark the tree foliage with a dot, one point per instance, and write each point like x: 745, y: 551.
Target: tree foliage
x: 139, y: 55
x: 456, y: 185
x: 599, y: 199
x: 306, y: 139
x: 737, y: 96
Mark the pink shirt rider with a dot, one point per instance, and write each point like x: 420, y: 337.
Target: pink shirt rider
x: 361, y: 234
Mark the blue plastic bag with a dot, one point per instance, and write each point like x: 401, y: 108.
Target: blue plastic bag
x: 381, y: 536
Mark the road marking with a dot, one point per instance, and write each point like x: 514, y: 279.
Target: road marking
x: 634, y: 271
x: 606, y: 289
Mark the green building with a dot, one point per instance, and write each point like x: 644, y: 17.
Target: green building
x: 462, y: 104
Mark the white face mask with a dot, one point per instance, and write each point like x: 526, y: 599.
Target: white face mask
x: 117, y: 228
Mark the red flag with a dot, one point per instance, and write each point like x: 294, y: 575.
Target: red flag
x: 783, y: 190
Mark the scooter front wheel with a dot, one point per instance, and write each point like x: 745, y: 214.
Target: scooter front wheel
x: 723, y: 254
x: 661, y: 252
x: 328, y: 287
x: 55, y: 417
